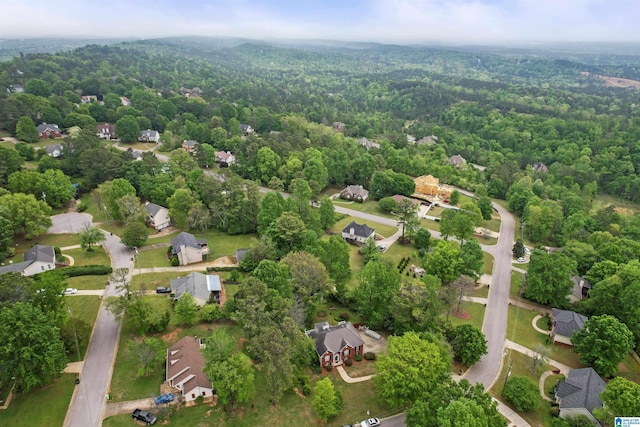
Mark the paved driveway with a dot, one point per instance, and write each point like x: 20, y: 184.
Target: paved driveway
x: 71, y: 222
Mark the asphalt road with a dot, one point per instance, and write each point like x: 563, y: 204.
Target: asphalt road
x: 89, y: 397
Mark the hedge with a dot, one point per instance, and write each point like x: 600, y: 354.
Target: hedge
x: 222, y: 268
x: 86, y: 270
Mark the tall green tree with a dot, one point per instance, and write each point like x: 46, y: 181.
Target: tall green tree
x: 271, y: 207
x: 549, y: 278
x: 326, y: 400
x: 445, y: 262
x: 462, y: 412
x: 28, y: 215
x: 91, y: 236
x: 150, y: 354
x: 378, y: 283
x: 408, y: 218
x: 26, y: 130
x: 233, y: 378
x: 135, y: 234
x: 327, y: 213
x: 522, y: 392
x: 128, y: 129
x: 179, y: 205
x: 187, y: 309
x: 10, y: 162
x: 276, y: 352
x: 468, y: 344
x: 621, y: 398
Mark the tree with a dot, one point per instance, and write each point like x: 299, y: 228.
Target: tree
x: 468, y: 344
x: 135, y: 235
x: 179, y: 205
x: 416, y: 307
x: 130, y: 208
x: 411, y: 368
x: 522, y: 392
x: 603, y: 343
x: 128, y: 129
x: 327, y: 213
x: 289, y: 231
x: 548, y: 279
x: 27, y: 214
x: 387, y: 205
x: 309, y: 278
x: 26, y: 151
x: 621, y: 398
x: 326, y: 400
x: 334, y: 254
x: 267, y: 164
x: 14, y: 287
x: 370, y: 251
x: 26, y: 130
x: 187, y: 309
x: 408, y: 218
x: 271, y: 207
x: 422, y: 239
x: 462, y: 412
x: 275, y: 276
x: 444, y: 262
x: 32, y: 351
x: 473, y: 258
x: 275, y: 355
x: 518, y: 249
x: 10, y: 162
x: 454, y: 198
x: 232, y: 377
x: 378, y: 282
x: 91, y: 236
x: 112, y: 192
x: 486, y: 207
x: 150, y: 353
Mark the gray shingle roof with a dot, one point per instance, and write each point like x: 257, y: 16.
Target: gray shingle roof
x: 362, y: 230
x: 184, y: 239
x: 577, y: 289
x: 153, y: 209
x: 53, y: 147
x: 197, y: 284
x: 581, y: 389
x: 41, y: 253
x: 240, y: 254
x: 190, y: 143
x: 334, y: 338
x: 567, y: 322
x: 42, y: 127
x: 15, y: 268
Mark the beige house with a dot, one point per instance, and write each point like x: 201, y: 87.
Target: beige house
x: 185, y: 365
x: 428, y: 185
x: 188, y: 249
x: 564, y: 323
x: 157, y: 216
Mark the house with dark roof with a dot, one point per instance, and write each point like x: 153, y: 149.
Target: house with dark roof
x: 224, y: 158
x: 185, y: 365
x: 335, y: 344
x: 355, y: 192
x: 49, y: 131
x: 457, y: 160
x: 189, y: 145
x: 54, y: 150
x: 358, y: 233
x: 204, y: 288
x: 368, y: 144
x: 38, y: 259
x: 157, y: 216
x: 246, y: 129
x: 581, y: 288
x: 188, y: 249
x: 149, y: 136
x: 579, y: 394
x: 540, y: 167
x: 87, y: 99
x: 564, y: 323
x: 339, y: 126
x: 106, y: 131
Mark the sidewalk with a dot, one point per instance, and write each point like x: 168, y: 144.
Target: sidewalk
x: 564, y: 369
x: 515, y: 420
x: 347, y: 379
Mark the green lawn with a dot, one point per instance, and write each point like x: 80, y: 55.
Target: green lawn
x: 42, y: 407
x: 486, y: 240
x: 521, y: 266
x: 516, y: 284
x: 472, y: 310
x: 483, y: 292
x: 152, y: 257
x: 430, y: 224
x: 149, y: 281
x: 61, y: 240
x: 97, y: 256
x: 630, y: 369
x: 331, y: 309
x: 383, y: 230
x: 550, y: 384
x: 165, y: 238
x: 487, y: 266
x: 369, y: 206
x: 493, y: 224
x: 397, y: 251
x: 87, y: 282
x: 84, y: 308
x: 222, y: 244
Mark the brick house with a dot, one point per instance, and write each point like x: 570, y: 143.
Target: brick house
x: 335, y: 344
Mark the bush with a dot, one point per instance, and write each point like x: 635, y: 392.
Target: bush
x: 344, y: 316
x: 86, y: 270
x: 306, y: 389
x: 222, y: 268
x: 329, y: 368
x: 175, y: 261
x: 554, y: 411
x: 315, y: 368
x: 358, y: 357
x: 522, y: 392
x: 81, y: 207
x: 370, y: 356
x: 348, y: 362
x: 199, y: 399
x: 321, y: 314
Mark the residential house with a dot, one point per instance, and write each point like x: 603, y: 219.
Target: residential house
x: 368, y: 144
x: 189, y: 145
x: 225, y: 158
x: 188, y: 249
x: 196, y: 92
x: 149, y: 136
x: 54, y: 150
x: 87, y: 99
x: 540, y: 167
x: 38, y: 259
x: 411, y: 139
x: 398, y: 198
x: 125, y: 101
x: 564, y: 323
x: 428, y: 185
x: 358, y: 233
x: 204, y: 288
x: 137, y: 155
x: 428, y: 140
x: 49, y: 131
x: 355, y: 192
x: 16, y: 88
x: 457, y: 161
x: 335, y: 344
x: 157, y: 216
x: 339, y: 126
x: 579, y: 394
x: 106, y: 131
x: 246, y: 129
x: 185, y: 365
x: 581, y: 288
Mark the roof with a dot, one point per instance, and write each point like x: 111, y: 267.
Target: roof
x: 15, y: 268
x: 426, y: 180
x: 398, y: 198
x: 457, y: 160
x: 149, y: 133
x: 50, y: 149
x: 245, y: 127
x: 197, y: 284
x: 223, y: 155
x: 581, y: 389
x: 43, y: 127
x: 184, y: 239
x: 356, y: 190
x: 185, y: 363
x: 368, y: 144
x: 190, y: 143
x: 106, y: 128
x: 153, y: 209
x: 334, y: 338
x: 578, y: 284
x: 41, y: 253
x: 540, y: 167
x: 240, y: 254
x: 567, y: 322
x: 362, y: 230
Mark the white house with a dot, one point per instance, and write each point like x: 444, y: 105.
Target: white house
x: 157, y: 216
x: 188, y: 249
x: 184, y: 369
x: 149, y: 136
x: 358, y: 233
x: 225, y: 158
x: 38, y: 259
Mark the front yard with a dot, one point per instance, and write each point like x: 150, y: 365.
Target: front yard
x: 381, y: 229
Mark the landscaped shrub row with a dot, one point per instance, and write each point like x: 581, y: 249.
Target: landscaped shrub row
x: 358, y: 357
x: 370, y: 356
x: 222, y: 268
x: 403, y: 264
x: 86, y: 270
x: 348, y: 362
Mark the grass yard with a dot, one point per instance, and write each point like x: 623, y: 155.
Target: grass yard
x: 165, y: 238
x: 46, y: 406
x: 487, y: 266
x: 60, y: 240
x: 550, y: 384
x: 430, y: 224
x: 519, y: 330
x: 150, y: 281
x: 331, y: 309
x: 370, y: 206
x: 397, y: 251
x: 383, y: 230
x: 630, y: 369
x: 436, y: 211
x: 516, y: 284
x: 493, y: 224
x: 486, y: 240
x: 473, y: 313
x: 222, y: 244
x: 152, y: 257
x: 82, y: 257
x: 521, y: 366
x: 85, y: 308
x: 482, y: 292
x: 361, y: 369
x: 87, y: 282
x: 522, y: 266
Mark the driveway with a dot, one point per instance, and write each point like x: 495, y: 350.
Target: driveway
x: 69, y: 223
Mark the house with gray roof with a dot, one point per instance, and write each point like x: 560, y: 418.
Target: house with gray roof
x: 49, y: 131
x: 579, y: 394
x: 355, y: 192
x: 157, y: 216
x: 564, y: 323
x: 54, y: 150
x: 185, y: 370
x: 188, y: 249
x: 581, y: 288
x: 368, y: 144
x: 204, y: 288
x: 457, y: 160
x: 358, y: 233
x: 540, y: 167
x: 38, y: 259
x: 149, y: 136
x: 246, y: 129
x: 189, y: 145
x: 335, y: 344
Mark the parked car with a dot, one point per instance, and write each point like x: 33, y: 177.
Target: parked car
x: 70, y: 291
x: 382, y: 248
x: 527, y: 251
x: 164, y: 398
x: 370, y: 422
x: 145, y: 416
x: 522, y: 259
x: 163, y: 290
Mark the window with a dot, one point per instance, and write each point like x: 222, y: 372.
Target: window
x: 204, y: 393
x: 193, y: 395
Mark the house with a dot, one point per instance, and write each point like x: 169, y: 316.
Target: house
x: 358, y: 233
x: 225, y: 158
x: 106, y: 131
x: 335, y: 344
x: 411, y: 139
x: 355, y: 192
x: 188, y: 249
x: 339, y: 126
x: 38, y: 259
x: 49, y: 131
x: 87, y: 99
x: 185, y: 365
x: 540, y: 167
x: 149, y: 136
x: 428, y: 140
x: 16, y: 88
x: 398, y: 198
x: 54, y: 150
x: 246, y: 129
x: 368, y: 144
x: 204, y: 288
x: 189, y: 145
x: 125, y: 101
x: 457, y: 160
x: 581, y: 288
x: 428, y: 185
x: 564, y: 323
x: 157, y: 216
x: 579, y: 394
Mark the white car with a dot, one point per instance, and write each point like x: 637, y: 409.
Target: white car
x: 522, y: 259
x: 527, y: 251
x: 70, y: 291
x: 370, y: 422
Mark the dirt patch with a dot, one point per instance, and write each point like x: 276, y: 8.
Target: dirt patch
x: 171, y: 336
x: 296, y: 391
x: 225, y: 261
x: 462, y: 315
x: 614, y: 81
x: 625, y: 211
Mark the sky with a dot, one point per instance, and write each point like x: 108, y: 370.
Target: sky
x: 390, y: 21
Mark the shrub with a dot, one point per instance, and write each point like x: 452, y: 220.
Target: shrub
x: 522, y: 392
x: 222, y: 268
x: 370, y: 356
x: 306, y: 389
x: 315, y: 368
x: 81, y: 207
x: 344, y: 316
x: 358, y: 357
x: 86, y: 270
x: 348, y: 362
x: 554, y: 411
x: 329, y: 368
x: 175, y: 261
x: 199, y: 399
